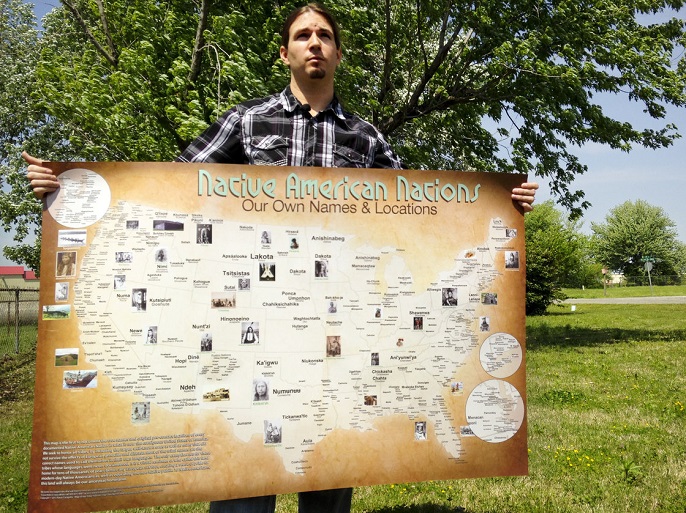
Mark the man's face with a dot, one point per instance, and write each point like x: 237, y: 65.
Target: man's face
x: 311, y: 51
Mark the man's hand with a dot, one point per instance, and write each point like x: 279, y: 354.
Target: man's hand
x: 43, y: 180
x: 525, y: 195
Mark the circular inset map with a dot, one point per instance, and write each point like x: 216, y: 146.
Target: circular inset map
x: 82, y: 199
x: 501, y: 355
x: 495, y: 411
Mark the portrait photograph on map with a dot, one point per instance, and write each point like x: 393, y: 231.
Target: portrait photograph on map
x: 294, y: 243
x: 225, y: 299
x: 132, y: 224
x: 333, y: 345
x: 261, y: 389
x: 375, y: 359
x: 206, y: 341
x: 321, y: 268
x: 161, y: 256
x: 71, y: 238
x: 119, y: 281
x: 67, y: 357
x: 377, y: 313
x: 418, y: 323
x: 203, y: 234
x: 61, y: 291
x: 370, y: 400
x: 489, y: 298
x: 139, y: 300
x: 243, y: 283
x: 449, y: 296
x: 151, y: 335
x: 510, y: 233
x: 250, y: 332
x: 512, y: 260
x: 484, y: 323
x: 267, y: 271
x: 272, y: 432
x: 420, y: 430
x: 123, y: 257
x: 65, y: 265
x: 266, y: 238
x: 332, y: 308
x: 140, y: 412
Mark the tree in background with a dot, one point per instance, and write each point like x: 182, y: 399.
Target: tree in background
x: 636, y: 231
x: 138, y: 80
x: 555, y: 257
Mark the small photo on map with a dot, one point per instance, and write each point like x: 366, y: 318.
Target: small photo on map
x: 418, y: 323
x: 375, y: 359
x: 80, y: 379
x: 370, y: 400
x: 203, y: 234
x: 206, y: 341
x: 61, y: 291
x: 123, y: 257
x: 161, y: 255
x: 321, y: 268
x: 449, y: 296
x: 489, y: 298
x: 151, y: 335
x: 225, y: 299
x: 377, y: 313
x: 333, y: 345
x: 511, y: 259
x: 457, y: 387
x: 294, y: 243
x: 266, y: 238
x: 65, y: 266
x: 510, y: 233
x: 167, y: 226
x: 484, y: 323
x: 71, y: 238
x: 218, y: 394
x: 466, y: 431
x: 332, y: 308
x: 400, y: 342
x: 420, y: 430
x: 243, y: 283
x: 250, y: 332
x: 140, y: 412
x: 261, y: 388
x: 119, y: 282
x: 272, y: 432
x: 132, y: 224
x: 56, y: 312
x: 139, y: 300
x: 67, y: 357
x: 267, y: 271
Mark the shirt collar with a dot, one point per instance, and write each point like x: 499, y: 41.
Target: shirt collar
x: 291, y: 104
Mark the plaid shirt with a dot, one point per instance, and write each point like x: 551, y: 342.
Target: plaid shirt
x: 279, y: 131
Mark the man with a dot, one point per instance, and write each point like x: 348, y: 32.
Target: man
x: 304, y: 125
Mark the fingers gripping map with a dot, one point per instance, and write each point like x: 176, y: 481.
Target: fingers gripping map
x: 219, y: 331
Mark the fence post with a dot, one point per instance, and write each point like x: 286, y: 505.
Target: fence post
x: 16, y: 321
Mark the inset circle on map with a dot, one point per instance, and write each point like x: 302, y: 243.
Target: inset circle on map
x: 495, y: 411
x: 82, y: 199
x: 501, y: 355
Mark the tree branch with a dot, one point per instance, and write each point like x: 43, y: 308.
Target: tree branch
x: 112, y: 59
x: 196, y: 60
x: 108, y: 36
x: 386, y: 77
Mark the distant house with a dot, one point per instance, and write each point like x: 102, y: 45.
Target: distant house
x: 16, y: 277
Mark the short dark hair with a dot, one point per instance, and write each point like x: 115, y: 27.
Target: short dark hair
x: 311, y: 7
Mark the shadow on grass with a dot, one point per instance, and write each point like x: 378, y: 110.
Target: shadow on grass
x: 546, y: 336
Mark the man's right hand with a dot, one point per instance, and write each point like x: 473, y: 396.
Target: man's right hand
x: 43, y: 180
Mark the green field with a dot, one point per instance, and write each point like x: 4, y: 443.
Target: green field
x: 606, y: 416
x: 615, y: 291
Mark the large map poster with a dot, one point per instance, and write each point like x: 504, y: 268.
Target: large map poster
x: 220, y: 331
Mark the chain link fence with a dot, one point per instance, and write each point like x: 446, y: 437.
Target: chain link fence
x: 18, y: 320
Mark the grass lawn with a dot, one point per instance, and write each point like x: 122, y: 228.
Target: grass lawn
x: 607, y: 424
x: 614, y: 291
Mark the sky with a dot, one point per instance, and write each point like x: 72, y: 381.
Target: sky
x: 613, y: 177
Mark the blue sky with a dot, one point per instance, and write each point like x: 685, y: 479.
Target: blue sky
x: 613, y: 177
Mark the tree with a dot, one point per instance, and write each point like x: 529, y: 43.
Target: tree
x: 635, y: 232
x: 138, y: 80
x: 555, y: 256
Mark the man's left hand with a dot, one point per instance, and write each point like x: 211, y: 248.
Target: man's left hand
x: 525, y: 195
